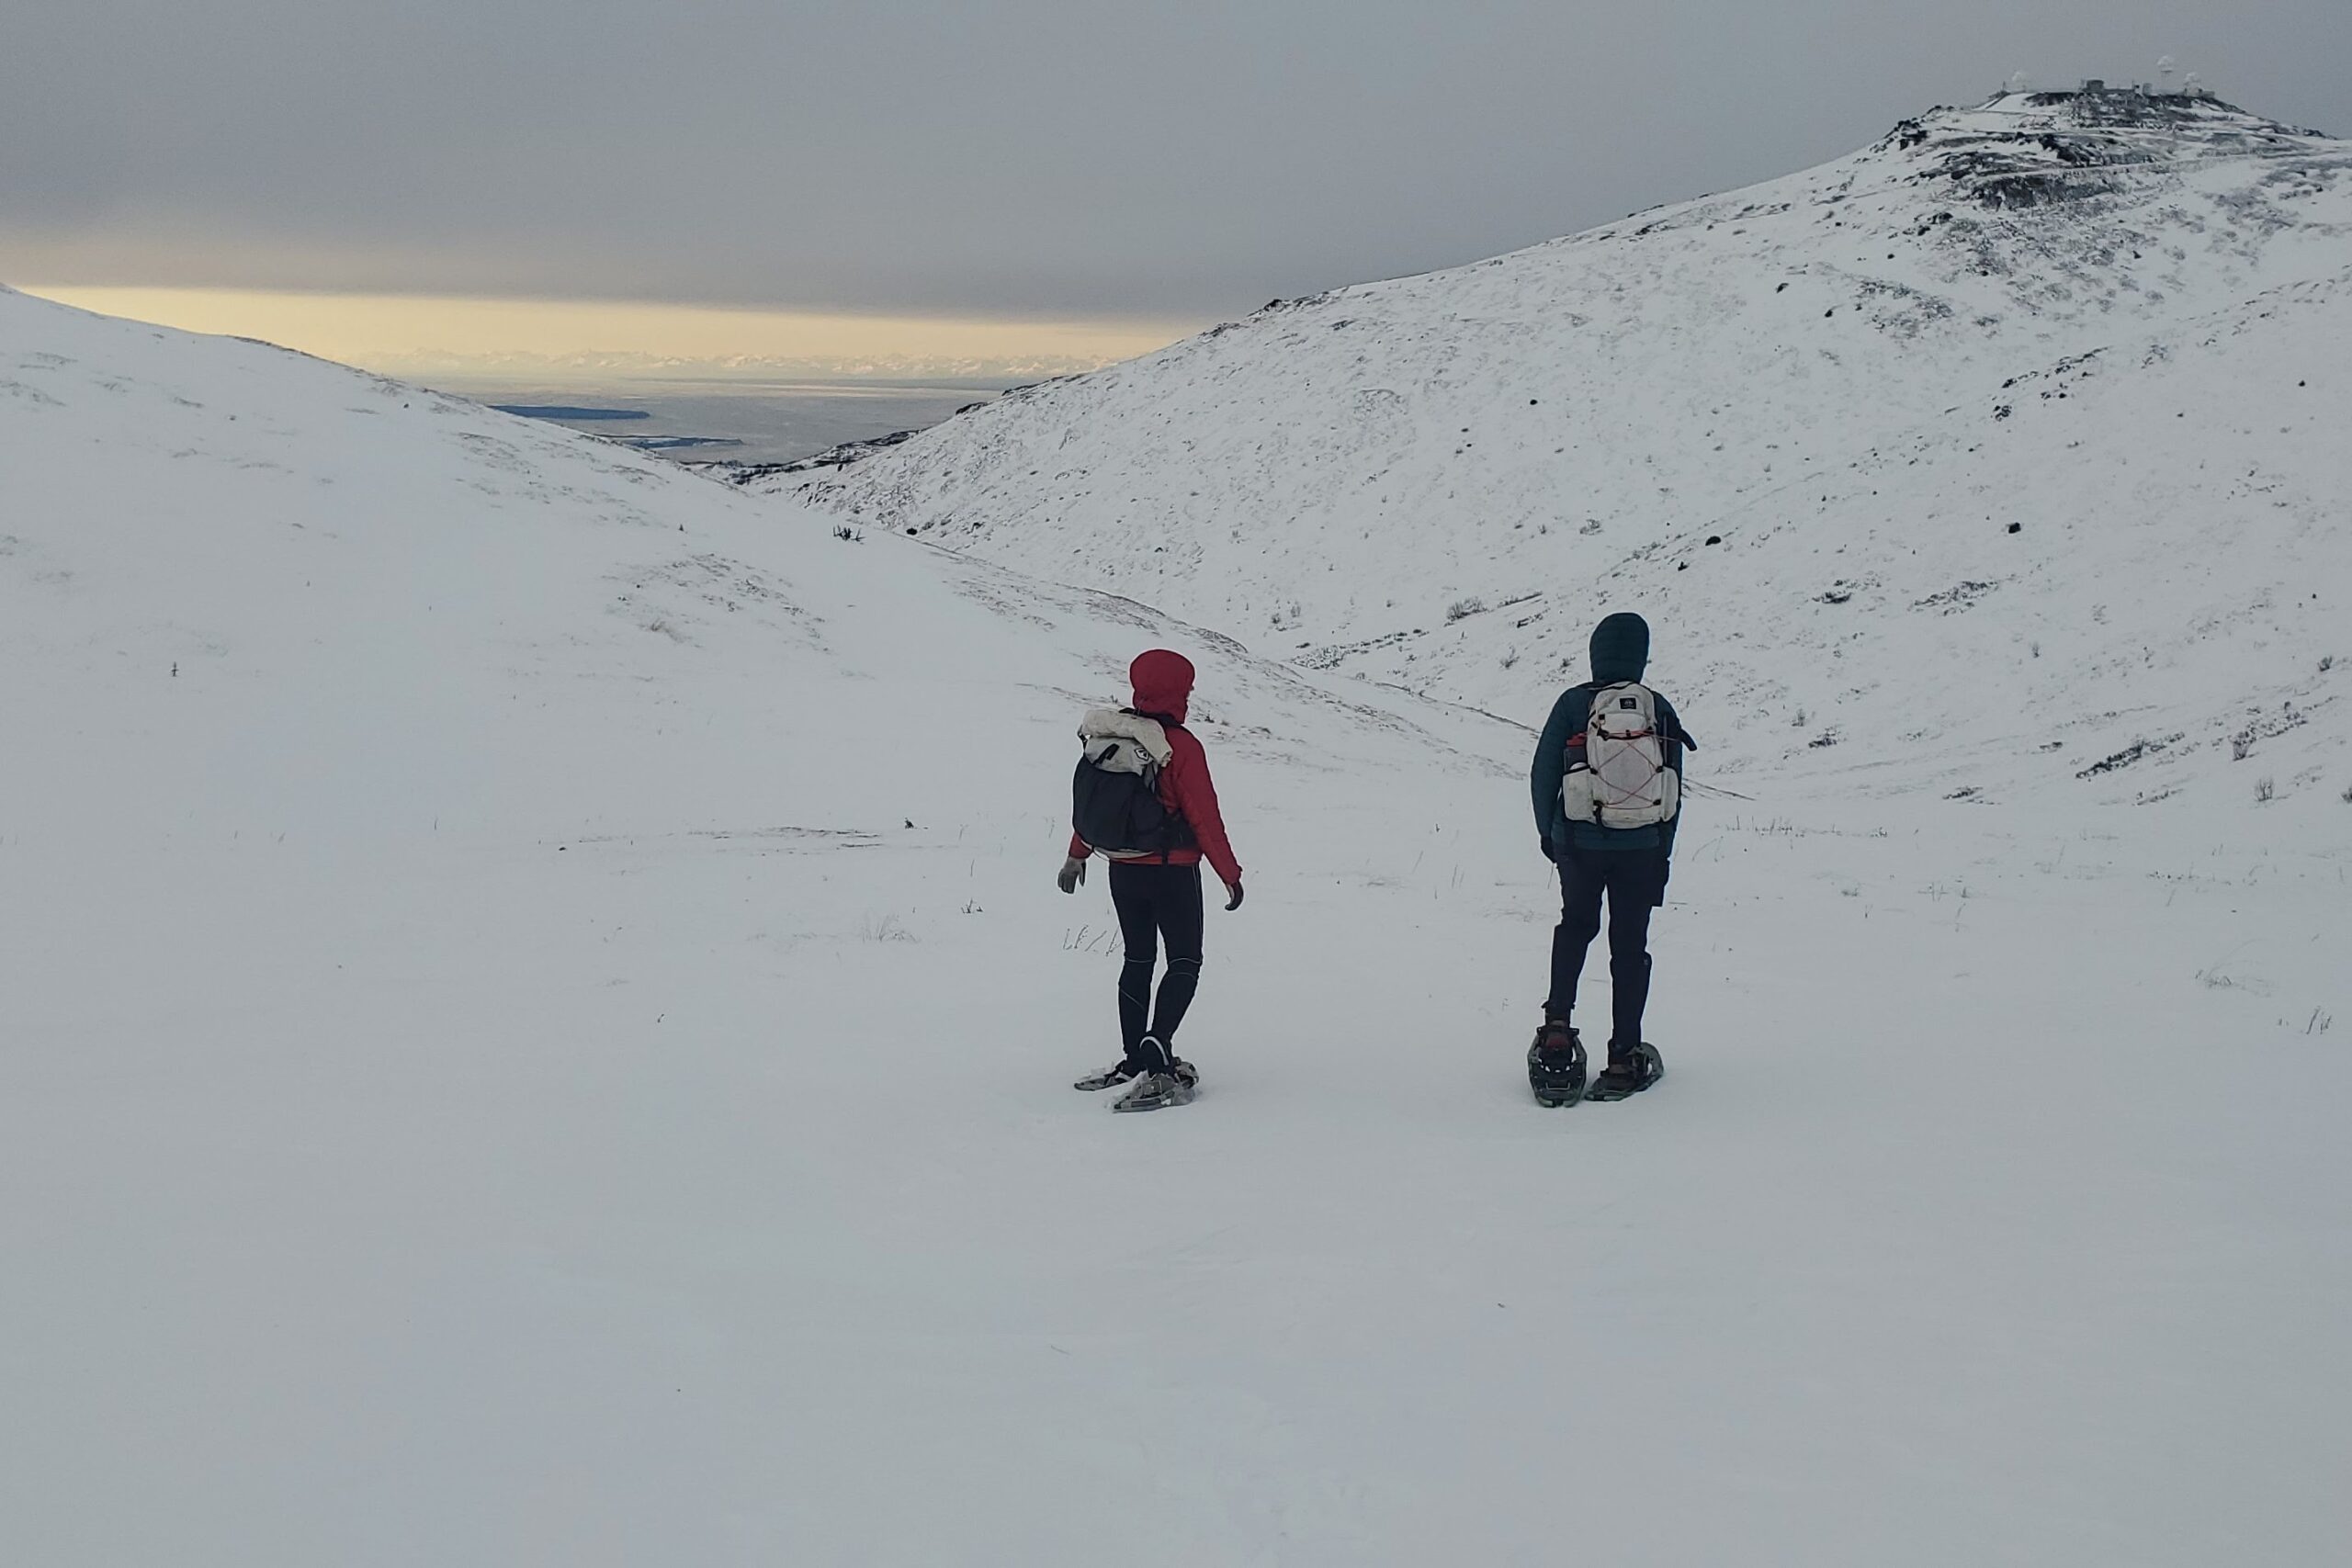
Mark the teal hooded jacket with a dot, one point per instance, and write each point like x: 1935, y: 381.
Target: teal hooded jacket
x: 1620, y: 651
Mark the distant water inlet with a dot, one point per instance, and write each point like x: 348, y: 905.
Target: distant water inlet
x: 569, y: 411
x: 751, y: 422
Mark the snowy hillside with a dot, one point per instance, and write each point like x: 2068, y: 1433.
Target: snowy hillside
x: 413, y: 604
x: 2033, y: 403
x: 535, y: 1019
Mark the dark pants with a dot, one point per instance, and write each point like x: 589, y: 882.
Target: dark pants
x: 1635, y: 881
x: 1156, y: 903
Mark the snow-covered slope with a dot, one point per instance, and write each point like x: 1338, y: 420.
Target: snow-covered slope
x: 2027, y: 408
x: 534, y: 1018
x: 408, y: 603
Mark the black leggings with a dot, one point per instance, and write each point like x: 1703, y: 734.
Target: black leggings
x: 1635, y: 883
x: 1156, y: 902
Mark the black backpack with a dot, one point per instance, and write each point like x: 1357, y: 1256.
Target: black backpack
x: 1115, y: 803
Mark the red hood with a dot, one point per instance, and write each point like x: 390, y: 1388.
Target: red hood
x: 1163, y: 684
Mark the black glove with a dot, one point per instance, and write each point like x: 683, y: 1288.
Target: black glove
x: 1234, y: 902
x: 1543, y: 842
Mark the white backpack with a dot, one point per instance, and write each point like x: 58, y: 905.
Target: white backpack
x: 1617, y: 774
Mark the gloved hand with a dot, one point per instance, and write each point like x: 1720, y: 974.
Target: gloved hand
x: 1543, y: 842
x: 1233, y: 902
x: 1074, y: 872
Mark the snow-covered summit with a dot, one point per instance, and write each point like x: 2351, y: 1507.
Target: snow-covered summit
x: 2036, y: 396
x: 1996, y: 151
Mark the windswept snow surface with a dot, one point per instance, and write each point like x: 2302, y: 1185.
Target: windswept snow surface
x: 2028, y: 418
x: 536, y: 1019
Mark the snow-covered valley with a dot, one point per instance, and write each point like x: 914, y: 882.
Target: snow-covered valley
x: 536, y: 1016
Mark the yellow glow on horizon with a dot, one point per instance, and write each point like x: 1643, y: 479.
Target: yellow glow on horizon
x: 407, y: 334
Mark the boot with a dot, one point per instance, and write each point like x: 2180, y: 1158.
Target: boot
x: 1556, y: 1065
x: 1157, y: 1087
x: 1632, y: 1068
x: 1149, y: 1055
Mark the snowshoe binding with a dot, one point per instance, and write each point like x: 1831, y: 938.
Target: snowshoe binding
x: 1157, y: 1091
x: 1556, y: 1065
x: 1158, y: 1088
x: 1109, y: 1078
x: 1630, y: 1071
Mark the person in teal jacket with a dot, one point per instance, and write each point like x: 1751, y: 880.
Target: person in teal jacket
x: 1629, y: 866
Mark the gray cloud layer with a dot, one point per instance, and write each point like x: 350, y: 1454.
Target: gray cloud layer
x: 997, y: 156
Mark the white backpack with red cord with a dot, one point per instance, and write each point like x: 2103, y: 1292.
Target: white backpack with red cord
x: 1617, y: 774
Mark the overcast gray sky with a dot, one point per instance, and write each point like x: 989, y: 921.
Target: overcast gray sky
x: 1094, y: 159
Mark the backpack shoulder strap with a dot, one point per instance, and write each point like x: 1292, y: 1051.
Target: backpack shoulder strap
x: 1620, y: 695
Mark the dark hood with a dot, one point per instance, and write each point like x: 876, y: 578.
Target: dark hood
x: 1163, y: 684
x: 1621, y: 648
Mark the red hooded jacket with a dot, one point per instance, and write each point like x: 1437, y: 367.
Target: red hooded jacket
x: 1163, y: 690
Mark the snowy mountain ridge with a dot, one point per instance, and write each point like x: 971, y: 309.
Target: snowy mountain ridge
x: 2041, y: 393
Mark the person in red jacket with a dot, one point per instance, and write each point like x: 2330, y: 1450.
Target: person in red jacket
x: 1157, y: 895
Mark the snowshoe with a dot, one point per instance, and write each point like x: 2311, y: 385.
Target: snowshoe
x: 1556, y: 1065
x: 1159, y: 1090
x: 1127, y: 1072
x: 1150, y: 1058
x: 1641, y: 1068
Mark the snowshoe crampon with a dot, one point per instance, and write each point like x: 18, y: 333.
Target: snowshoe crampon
x: 1643, y: 1068
x: 1556, y: 1067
